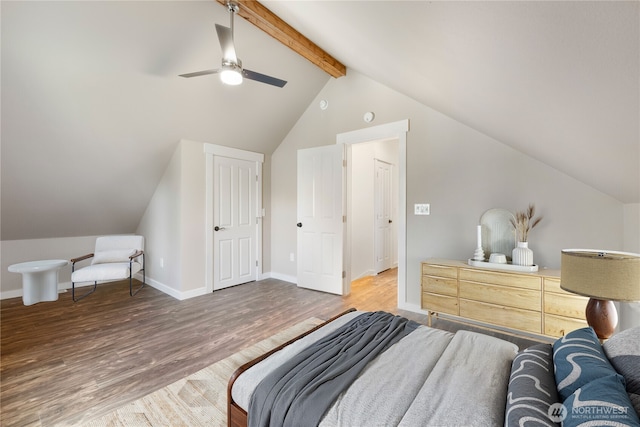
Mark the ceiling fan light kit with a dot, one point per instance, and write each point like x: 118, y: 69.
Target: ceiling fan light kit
x: 231, y: 72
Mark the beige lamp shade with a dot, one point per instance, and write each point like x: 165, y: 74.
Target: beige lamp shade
x: 604, y: 275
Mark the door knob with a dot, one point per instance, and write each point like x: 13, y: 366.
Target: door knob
x: 390, y: 221
x: 216, y: 228
x: 299, y: 225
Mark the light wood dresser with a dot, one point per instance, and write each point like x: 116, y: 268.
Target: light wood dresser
x: 528, y: 302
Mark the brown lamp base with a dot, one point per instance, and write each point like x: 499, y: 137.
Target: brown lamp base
x: 602, y: 316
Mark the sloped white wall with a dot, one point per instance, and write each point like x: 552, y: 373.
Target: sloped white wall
x: 458, y: 170
x: 192, y: 219
x: 15, y: 251
x: 173, y: 225
x: 160, y: 225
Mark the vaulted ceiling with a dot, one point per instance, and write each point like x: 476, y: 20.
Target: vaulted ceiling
x: 557, y: 80
x: 92, y: 107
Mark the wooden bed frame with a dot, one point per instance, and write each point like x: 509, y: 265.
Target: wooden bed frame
x: 236, y: 416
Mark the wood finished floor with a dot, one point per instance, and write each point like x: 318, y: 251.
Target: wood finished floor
x: 62, y: 360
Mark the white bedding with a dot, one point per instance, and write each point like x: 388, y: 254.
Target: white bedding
x: 430, y: 377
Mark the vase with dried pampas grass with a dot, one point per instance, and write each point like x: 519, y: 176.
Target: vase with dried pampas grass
x: 523, y: 224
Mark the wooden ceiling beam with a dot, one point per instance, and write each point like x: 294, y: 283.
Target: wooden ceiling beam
x: 271, y: 24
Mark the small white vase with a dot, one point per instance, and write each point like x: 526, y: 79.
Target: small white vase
x: 522, y: 255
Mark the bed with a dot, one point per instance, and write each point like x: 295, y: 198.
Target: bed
x: 400, y: 373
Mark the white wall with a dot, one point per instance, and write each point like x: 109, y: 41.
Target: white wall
x: 174, y: 225
x: 459, y: 171
x: 632, y: 228
x: 15, y: 251
x: 160, y: 225
x: 629, y: 313
x: 192, y: 219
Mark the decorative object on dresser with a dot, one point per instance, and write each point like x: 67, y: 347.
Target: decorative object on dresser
x: 530, y: 302
x: 522, y: 255
x: 478, y: 255
x: 497, y: 238
x: 497, y: 232
x: 523, y: 224
x: 603, y: 276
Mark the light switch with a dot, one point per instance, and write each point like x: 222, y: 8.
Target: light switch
x: 421, y: 209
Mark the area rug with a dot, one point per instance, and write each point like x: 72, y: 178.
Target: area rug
x: 199, y: 399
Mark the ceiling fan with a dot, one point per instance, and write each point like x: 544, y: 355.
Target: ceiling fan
x: 231, y: 71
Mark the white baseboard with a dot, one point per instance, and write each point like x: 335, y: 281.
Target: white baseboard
x: 284, y: 277
x: 65, y: 286
x: 179, y: 295
x: 15, y: 293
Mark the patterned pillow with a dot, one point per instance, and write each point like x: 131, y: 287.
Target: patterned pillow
x: 601, y: 402
x: 623, y: 351
x: 532, y: 387
x: 579, y: 359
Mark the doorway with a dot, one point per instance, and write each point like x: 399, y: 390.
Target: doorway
x: 396, y: 131
x: 373, y: 177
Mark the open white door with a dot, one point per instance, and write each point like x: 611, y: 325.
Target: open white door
x: 382, y: 216
x: 320, y: 218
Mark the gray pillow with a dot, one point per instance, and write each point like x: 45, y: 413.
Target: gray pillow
x: 532, y: 387
x: 623, y: 351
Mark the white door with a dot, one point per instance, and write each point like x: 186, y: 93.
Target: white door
x: 382, y: 216
x: 234, y: 219
x: 320, y: 218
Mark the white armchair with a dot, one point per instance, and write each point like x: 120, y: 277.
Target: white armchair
x: 114, y: 258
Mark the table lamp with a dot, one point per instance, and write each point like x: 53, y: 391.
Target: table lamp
x: 603, y: 276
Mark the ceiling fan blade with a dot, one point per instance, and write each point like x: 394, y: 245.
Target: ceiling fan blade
x: 263, y: 78
x: 200, y: 73
x: 225, y: 37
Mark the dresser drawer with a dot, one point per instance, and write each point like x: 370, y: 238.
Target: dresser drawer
x: 439, y: 270
x: 557, y: 326
x: 439, y: 285
x: 440, y: 303
x: 553, y: 285
x: 509, y: 317
x: 504, y: 279
x: 502, y: 295
x: 565, y: 304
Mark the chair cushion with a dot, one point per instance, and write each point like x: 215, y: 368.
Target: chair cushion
x: 116, y: 255
x: 105, y: 272
x: 108, y: 243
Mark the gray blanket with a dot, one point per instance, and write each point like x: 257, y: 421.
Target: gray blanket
x: 300, y: 391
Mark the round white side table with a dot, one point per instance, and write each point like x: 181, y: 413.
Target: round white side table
x: 39, y: 279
